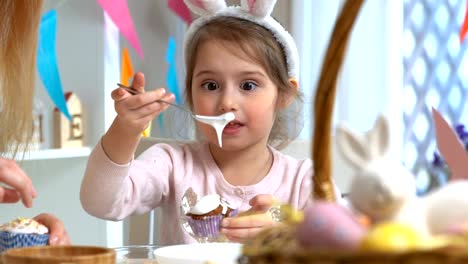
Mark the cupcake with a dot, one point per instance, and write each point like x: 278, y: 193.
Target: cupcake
x: 23, y: 232
x: 205, y: 216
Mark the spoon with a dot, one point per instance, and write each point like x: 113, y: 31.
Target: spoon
x: 217, y: 122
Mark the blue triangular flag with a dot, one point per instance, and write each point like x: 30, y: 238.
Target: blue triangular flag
x: 171, y: 77
x: 47, y: 61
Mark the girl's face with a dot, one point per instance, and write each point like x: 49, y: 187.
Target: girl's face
x: 226, y: 82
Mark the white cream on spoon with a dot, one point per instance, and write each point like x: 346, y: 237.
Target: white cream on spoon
x: 217, y: 122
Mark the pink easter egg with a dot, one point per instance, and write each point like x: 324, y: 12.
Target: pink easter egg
x: 457, y: 229
x: 328, y: 225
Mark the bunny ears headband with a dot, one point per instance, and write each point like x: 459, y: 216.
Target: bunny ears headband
x: 256, y: 11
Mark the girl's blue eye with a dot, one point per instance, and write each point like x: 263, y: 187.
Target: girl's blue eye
x: 248, y: 86
x: 211, y: 86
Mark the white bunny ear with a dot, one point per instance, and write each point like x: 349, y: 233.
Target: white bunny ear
x: 450, y: 146
x: 352, y: 147
x: 205, y: 7
x: 379, y: 137
x: 258, y: 8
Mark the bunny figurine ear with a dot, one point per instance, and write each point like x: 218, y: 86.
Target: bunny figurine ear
x: 451, y: 147
x: 358, y: 150
x: 379, y: 137
x: 258, y: 8
x: 205, y: 7
x: 352, y: 147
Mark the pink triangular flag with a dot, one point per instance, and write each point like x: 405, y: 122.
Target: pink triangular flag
x: 451, y: 148
x: 120, y: 15
x: 180, y: 9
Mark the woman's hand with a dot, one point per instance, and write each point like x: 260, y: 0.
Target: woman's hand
x: 57, y: 233
x: 248, y: 224
x: 17, y: 184
x: 135, y: 112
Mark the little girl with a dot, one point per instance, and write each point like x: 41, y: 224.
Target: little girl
x: 240, y: 60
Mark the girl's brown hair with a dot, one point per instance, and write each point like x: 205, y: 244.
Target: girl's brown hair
x: 257, y: 44
x: 19, y: 22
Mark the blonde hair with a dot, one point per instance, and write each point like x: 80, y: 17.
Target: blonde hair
x: 19, y: 22
x: 257, y: 44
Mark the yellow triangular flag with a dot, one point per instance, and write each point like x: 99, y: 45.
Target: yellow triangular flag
x: 126, y: 70
x: 147, y: 131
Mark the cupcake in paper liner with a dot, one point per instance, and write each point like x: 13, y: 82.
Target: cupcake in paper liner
x: 202, y: 217
x: 23, y: 232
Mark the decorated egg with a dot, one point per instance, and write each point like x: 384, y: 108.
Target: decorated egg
x: 457, y: 229
x: 393, y: 237
x: 328, y: 225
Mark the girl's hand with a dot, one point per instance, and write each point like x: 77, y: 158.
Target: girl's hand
x: 58, y: 234
x: 18, y: 184
x: 134, y: 112
x: 248, y: 224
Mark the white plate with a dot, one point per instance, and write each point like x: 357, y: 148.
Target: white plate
x: 220, y: 253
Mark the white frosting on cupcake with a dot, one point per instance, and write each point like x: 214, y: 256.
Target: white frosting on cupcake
x: 24, y: 226
x: 209, y: 203
x: 225, y: 206
x: 206, y: 204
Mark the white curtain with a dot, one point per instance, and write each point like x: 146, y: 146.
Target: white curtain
x: 371, y: 80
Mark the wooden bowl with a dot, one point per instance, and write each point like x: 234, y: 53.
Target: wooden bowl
x: 59, y: 255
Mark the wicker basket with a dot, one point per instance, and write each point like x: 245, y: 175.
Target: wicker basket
x: 278, y: 244
x: 59, y: 255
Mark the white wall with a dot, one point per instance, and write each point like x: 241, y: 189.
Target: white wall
x: 88, y: 61
x: 57, y: 183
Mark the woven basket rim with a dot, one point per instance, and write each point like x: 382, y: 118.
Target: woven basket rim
x: 95, y: 252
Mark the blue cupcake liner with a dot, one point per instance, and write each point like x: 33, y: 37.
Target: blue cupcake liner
x: 19, y: 240
x: 208, y: 226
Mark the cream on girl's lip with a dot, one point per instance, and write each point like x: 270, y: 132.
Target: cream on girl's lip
x: 232, y: 128
x: 236, y: 122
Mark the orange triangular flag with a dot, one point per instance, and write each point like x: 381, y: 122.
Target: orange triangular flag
x: 126, y: 71
x: 464, y: 27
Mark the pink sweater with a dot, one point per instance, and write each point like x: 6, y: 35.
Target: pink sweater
x: 161, y: 175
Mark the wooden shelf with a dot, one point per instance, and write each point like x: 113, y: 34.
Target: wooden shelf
x: 45, y: 154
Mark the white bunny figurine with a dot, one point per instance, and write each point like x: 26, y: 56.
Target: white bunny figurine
x: 385, y: 190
